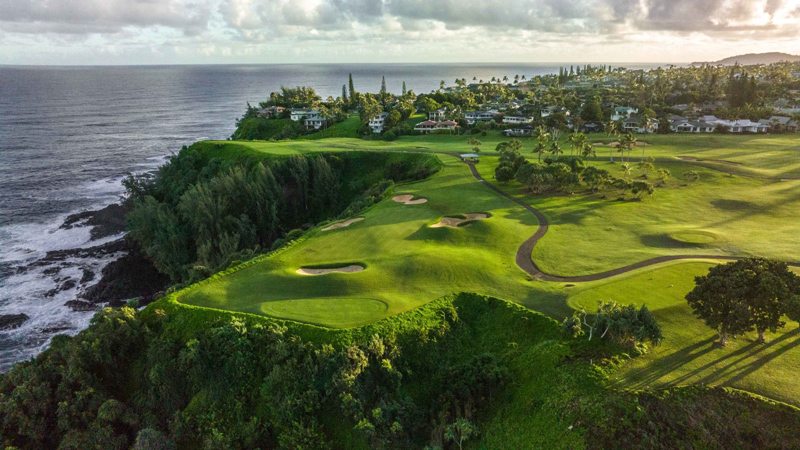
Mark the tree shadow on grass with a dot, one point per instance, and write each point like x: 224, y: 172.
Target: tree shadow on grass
x: 769, y: 352
x: 665, y: 366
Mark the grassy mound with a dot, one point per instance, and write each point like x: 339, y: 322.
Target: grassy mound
x: 260, y: 128
x: 694, y: 237
x: 347, y: 128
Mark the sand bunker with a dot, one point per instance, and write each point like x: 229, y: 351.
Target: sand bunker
x: 455, y: 222
x: 407, y: 199
x: 342, y: 224
x: 352, y: 268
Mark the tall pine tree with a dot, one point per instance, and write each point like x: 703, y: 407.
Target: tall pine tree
x: 404, y: 88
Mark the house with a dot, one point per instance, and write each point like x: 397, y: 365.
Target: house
x: 634, y: 125
x: 437, y: 115
x: 778, y: 123
x: 623, y: 112
x: 592, y: 127
x: 742, y: 126
x: 547, y: 111
x: 315, y: 123
x: 517, y: 119
x: 430, y: 126
x: 687, y: 126
x: 480, y: 116
x: 524, y: 130
x: 796, y: 75
x: 298, y: 114
x: 376, y: 123
x: 271, y: 112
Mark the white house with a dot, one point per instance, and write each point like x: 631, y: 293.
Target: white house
x: 519, y: 131
x: 315, y: 123
x: 634, y: 125
x: 547, y: 111
x: 687, y: 126
x: 517, y: 119
x: 480, y: 116
x: 298, y: 114
x: 377, y: 122
x: 429, y: 126
x: 623, y: 112
x: 437, y: 115
x: 743, y: 126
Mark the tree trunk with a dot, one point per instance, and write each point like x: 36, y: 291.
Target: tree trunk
x: 761, y: 339
x: 723, y: 339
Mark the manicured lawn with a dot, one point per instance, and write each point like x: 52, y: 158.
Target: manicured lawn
x: 407, y: 262
x: 750, y: 212
x: 687, y: 355
x: 718, y: 215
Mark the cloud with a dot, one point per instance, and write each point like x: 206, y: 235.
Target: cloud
x: 291, y: 27
x: 102, y: 16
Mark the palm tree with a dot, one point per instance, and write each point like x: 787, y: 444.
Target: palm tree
x: 588, y: 150
x: 626, y: 170
x: 573, y: 141
x: 555, y: 148
x: 630, y: 143
x: 611, y: 129
x: 542, y: 135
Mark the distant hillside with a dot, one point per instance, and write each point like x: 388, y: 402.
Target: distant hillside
x: 752, y: 59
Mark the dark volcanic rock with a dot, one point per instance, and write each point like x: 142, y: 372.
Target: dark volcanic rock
x: 132, y: 276
x: 11, y: 321
x: 81, y: 305
x: 104, y: 222
x: 88, y: 276
x: 96, y: 252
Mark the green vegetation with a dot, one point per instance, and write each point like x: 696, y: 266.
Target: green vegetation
x: 266, y: 129
x: 345, y: 129
x: 426, y: 377
x: 198, y: 214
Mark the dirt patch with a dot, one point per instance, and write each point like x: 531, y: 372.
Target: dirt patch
x: 687, y: 158
x: 455, y: 222
x: 407, y: 199
x: 790, y: 179
x: 352, y: 268
x: 342, y: 224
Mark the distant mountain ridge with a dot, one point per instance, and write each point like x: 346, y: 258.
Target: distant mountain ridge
x: 750, y: 59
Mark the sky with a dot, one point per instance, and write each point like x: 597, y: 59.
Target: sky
x: 365, y: 31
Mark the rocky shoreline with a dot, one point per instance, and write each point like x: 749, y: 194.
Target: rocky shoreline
x: 131, y: 275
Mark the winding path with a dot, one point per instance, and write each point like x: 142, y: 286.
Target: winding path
x: 525, y: 261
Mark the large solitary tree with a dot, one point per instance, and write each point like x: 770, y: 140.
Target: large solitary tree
x: 745, y: 295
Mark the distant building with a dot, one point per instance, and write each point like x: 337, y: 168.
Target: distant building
x: 271, y: 112
x: 437, y: 115
x: 315, y: 123
x: 299, y: 114
x: 480, y: 116
x: 377, y: 122
x: 687, y: 126
x: 517, y: 119
x: 623, y: 112
x: 430, y: 126
x: 634, y: 125
x: 519, y: 131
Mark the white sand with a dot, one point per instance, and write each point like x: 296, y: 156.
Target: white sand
x: 342, y: 224
x: 407, y: 199
x: 353, y: 268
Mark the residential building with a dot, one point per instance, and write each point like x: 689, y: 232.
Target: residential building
x: 315, y: 123
x: 517, y: 119
x: 377, y: 122
x: 634, y: 125
x: 549, y: 110
x: 688, y: 126
x: 742, y: 126
x: 524, y: 130
x: 298, y: 114
x: 623, y: 112
x: 429, y: 126
x: 437, y: 115
x: 480, y: 116
x: 271, y: 112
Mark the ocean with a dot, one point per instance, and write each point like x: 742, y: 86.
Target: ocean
x: 68, y: 136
